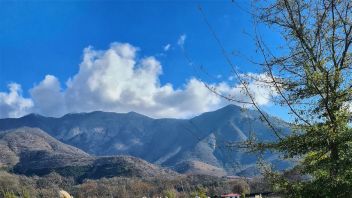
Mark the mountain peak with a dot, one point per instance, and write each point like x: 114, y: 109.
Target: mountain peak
x: 34, y: 115
x: 222, y: 112
x: 134, y: 113
x: 231, y: 107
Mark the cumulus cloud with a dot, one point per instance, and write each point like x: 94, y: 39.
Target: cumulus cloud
x: 48, y: 98
x: 114, y: 80
x: 181, y: 40
x: 117, y: 80
x: 13, y: 104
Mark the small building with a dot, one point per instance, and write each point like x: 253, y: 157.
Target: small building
x: 232, y: 195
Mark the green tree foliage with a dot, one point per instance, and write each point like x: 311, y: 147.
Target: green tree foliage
x: 200, y: 192
x: 170, y: 193
x: 25, y: 193
x: 9, y: 194
x: 311, y: 75
x: 240, y: 187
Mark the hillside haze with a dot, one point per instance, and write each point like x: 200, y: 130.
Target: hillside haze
x: 196, y: 145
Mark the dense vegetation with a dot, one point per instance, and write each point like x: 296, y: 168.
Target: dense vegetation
x: 12, y: 185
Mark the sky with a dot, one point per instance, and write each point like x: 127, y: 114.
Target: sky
x: 151, y: 57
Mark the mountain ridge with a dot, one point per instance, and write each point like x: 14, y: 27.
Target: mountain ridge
x: 168, y: 142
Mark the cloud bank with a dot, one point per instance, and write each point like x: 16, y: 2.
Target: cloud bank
x: 115, y: 80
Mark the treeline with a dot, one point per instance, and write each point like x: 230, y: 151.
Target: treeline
x: 13, y: 186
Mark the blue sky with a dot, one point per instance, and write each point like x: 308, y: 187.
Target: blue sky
x: 40, y: 38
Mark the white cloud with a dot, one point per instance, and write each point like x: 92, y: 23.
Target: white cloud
x: 258, y: 87
x: 113, y: 81
x: 261, y: 91
x: 167, y: 47
x: 181, y: 40
x: 13, y: 104
x: 48, y: 98
x: 116, y: 80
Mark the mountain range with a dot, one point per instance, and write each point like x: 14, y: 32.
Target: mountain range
x: 196, y: 145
